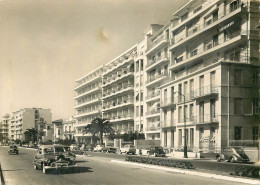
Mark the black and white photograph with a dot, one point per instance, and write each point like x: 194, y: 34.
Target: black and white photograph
x: 129, y: 92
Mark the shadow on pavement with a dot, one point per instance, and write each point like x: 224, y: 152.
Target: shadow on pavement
x: 82, y: 161
x: 78, y: 169
x: 12, y: 170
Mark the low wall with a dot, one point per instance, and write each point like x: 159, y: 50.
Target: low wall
x: 146, y: 144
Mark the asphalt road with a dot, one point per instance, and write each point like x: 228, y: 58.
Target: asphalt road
x: 18, y: 170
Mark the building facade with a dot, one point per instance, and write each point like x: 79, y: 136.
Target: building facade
x: 118, y: 92
x: 27, y: 118
x: 212, y: 97
x: 88, y: 102
x: 194, y: 79
x: 4, y: 128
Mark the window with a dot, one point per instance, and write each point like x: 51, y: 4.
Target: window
x: 194, y: 52
x: 197, y: 9
x: 234, y: 5
x: 191, y: 88
x: 141, y: 65
x: 180, y: 114
x: 184, y: 17
x: 213, y: 108
x: 142, y: 96
x: 191, y: 111
x: 137, y: 66
x: 255, y: 133
x: 165, y: 138
x: 142, y: 110
x: 237, y: 78
x: 165, y: 118
x: 201, y: 112
x: 237, y: 106
x: 238, y: 133
x: 213, y: 78
x: 177, y: 60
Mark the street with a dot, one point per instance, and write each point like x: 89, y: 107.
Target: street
x: 18, y: 169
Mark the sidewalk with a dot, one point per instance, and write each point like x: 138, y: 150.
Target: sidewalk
x: 192, y: 172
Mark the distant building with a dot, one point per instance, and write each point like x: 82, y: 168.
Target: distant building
x: 4, y: 128
x: 58, y: 129
x: 28, y: 118
x: 69, y: 128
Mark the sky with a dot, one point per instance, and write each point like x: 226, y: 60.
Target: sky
x: 45, y: 45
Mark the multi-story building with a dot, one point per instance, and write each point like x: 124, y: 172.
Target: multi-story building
x: 27, y: 118
x: 197, y: 76
x: 69, y: 129
x: 156, y: 72
x: 88, y: 101
x: 213, y: 92
x: 4, y: 128
x: 118, y: 91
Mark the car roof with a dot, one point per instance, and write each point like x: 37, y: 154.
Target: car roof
x: 55, y: 145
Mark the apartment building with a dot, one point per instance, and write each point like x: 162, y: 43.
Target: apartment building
x: 118, y: 91
x: 28, y: 118
x: 156, y: 72
x: 213, y: 96
x: 88, y: 101
x: 4, y: 128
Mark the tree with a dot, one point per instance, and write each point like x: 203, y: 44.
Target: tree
x: 99, y: 127
x: 32, y: 134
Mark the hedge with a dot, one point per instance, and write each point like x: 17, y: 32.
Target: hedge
x: 161, y: 162
x: 246, y: 171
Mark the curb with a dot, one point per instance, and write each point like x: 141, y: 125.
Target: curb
x: 201, y: 174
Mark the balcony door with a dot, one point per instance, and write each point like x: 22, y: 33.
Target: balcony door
x: 201, y: 112
x: 201, y: 85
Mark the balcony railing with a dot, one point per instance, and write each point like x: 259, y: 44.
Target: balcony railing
x: 152, y: 112
x: 153, y: 129
x: 156, y: 60
x: 159, y: 40
x: 168, y: 102
x: 117, y: 77
x: 157, y: 76
x: 198, y: 27
x: 206, y: 118
x: 153, y: 94
x: 89, y: 91
x: 205, y: 91
x: 117, y: 104
x: 120, y: 117
x: 113, y: 92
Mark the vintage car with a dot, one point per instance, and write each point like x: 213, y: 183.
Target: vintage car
x: 54, y: 157
x: 128, y: 149
x: 13, y: 149
x: 157, y: 152
x: 232, y: 154
x: 98, y: 148
x: 110, y: 150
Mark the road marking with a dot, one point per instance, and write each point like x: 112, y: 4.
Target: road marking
x: 201, y: 174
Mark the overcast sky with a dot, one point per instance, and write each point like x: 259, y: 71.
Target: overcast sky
x: 45, y: 45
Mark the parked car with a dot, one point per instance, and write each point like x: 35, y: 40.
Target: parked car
x: 110, y: 150
x: 75, y: 150
x: 157, y: 152
x: 13, y: 149
x: 54, y: 157
x: 232, y: 154
x: 128, y: 149
x: 98, y: 148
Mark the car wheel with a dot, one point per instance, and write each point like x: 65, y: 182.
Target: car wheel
x: 218, y: 158
x: 232, y: 159
x: 35, y: 167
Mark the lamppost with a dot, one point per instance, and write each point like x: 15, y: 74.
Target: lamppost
x: 184, y: 116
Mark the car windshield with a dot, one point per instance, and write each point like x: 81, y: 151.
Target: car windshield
x: 48, y: 150
x: 59, y: 149
x: 239, y: 150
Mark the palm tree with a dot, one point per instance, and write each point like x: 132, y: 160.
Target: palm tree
x: 98, y: 126
x: 32, y: 134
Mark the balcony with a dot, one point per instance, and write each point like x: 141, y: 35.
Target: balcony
x: 153, y: 113
x: 153, y: 128
x: 168, y: 124
x: 158, y: 43
x: 118, y: 105
x: 156, y: 78
x: 156, y: 61
x: 199, y: 29
x: 215, y: 46
x: 206, y: 91
x: 153, y: 96
x: 87, y: 92
x: 120, y: 118
x: 87, y: 103
x: 119, y: 63
x: 120, y: 90
x: 87, y: 82
x: 86, y: 113
x: 206, y: 119
x: 169, y: 102
x: 118, y: 77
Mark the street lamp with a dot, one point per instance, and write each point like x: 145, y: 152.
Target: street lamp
x: 185, y: 136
